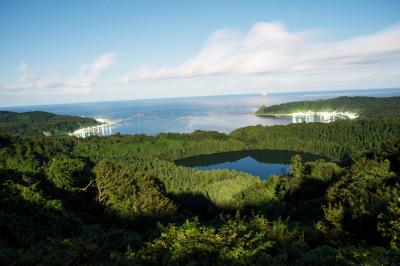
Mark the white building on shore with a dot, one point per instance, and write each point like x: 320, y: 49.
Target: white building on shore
x: 104, y: 129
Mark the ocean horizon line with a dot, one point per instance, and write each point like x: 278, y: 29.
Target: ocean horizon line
x: 334, y: 92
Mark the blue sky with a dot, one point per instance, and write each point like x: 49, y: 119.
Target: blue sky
x: 79, y: 51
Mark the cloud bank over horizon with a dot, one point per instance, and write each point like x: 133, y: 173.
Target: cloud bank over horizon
x: 82, y: 82
x: 267, y: 57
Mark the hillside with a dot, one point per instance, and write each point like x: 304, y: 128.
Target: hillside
x: 364, y: 107
x: 121, y: 200
x: 35, y: 123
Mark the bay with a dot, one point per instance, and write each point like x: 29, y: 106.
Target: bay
x: 219, y: 113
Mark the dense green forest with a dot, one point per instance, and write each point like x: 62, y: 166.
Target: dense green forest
x: 35, y: 123
x: 121, y: 200
x: 365, y: 107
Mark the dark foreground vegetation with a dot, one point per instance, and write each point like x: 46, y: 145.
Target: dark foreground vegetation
x: 36, y: 123
x: 121, y: 200
x: 365, y: 107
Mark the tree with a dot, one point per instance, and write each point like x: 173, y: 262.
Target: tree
x: 297, y: 166
x: 131, y: 194
x: 66, y: 172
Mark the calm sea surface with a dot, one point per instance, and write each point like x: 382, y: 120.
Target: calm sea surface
x: 220, y: 113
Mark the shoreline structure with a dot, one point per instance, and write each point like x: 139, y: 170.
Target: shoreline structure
x: 103, y: 129
x: 105, y: 126
x: 309, y: 116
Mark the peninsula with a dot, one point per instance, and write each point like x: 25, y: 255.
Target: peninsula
x: 39, y: 123
x: 341, y: 107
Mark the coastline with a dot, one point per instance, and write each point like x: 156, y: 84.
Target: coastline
x: 309, y: 115
x: 102, y: 129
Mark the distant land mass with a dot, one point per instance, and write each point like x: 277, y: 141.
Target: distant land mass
x: 38, y: 123
x: 362, y: 107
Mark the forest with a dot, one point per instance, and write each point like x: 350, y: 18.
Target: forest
x: 36, y: 123
x: 122, y: 199
x: 365, y: 107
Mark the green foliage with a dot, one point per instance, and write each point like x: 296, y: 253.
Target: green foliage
x: 333, y: 213
x: 141, y: 208
x: 66, y: 173
x: 389, y: 219
x: 296, y: 166
x: 340, y: 140
x: 171, y: 146
x: 343, y: 140
x: 30, y: 155
x: 390, y: 151
x: 322, y: 170
x: 366, y: 107
x: 35, y: 123
x: 28, y: 215
x: 131, y: 195
x: 357, y: 199
x: 236, y: 242
x: 259, y: 194
x: 366, y: 256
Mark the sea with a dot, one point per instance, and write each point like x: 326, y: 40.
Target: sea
x: 222, y: 113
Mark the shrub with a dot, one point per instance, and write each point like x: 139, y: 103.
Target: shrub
x: 66, y: 173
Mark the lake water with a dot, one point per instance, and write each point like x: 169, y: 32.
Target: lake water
x: 262, y: 163
x: 220, y: 113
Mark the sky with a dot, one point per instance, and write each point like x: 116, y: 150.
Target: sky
x: 101, y: 50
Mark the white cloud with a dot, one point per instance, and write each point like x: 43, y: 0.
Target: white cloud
x: 268, y: 57
x: 88, y: 74
x: 82, y: 82
x: 270, y: 48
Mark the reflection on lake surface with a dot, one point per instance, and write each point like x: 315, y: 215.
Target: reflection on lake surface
x: 262, y: 163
